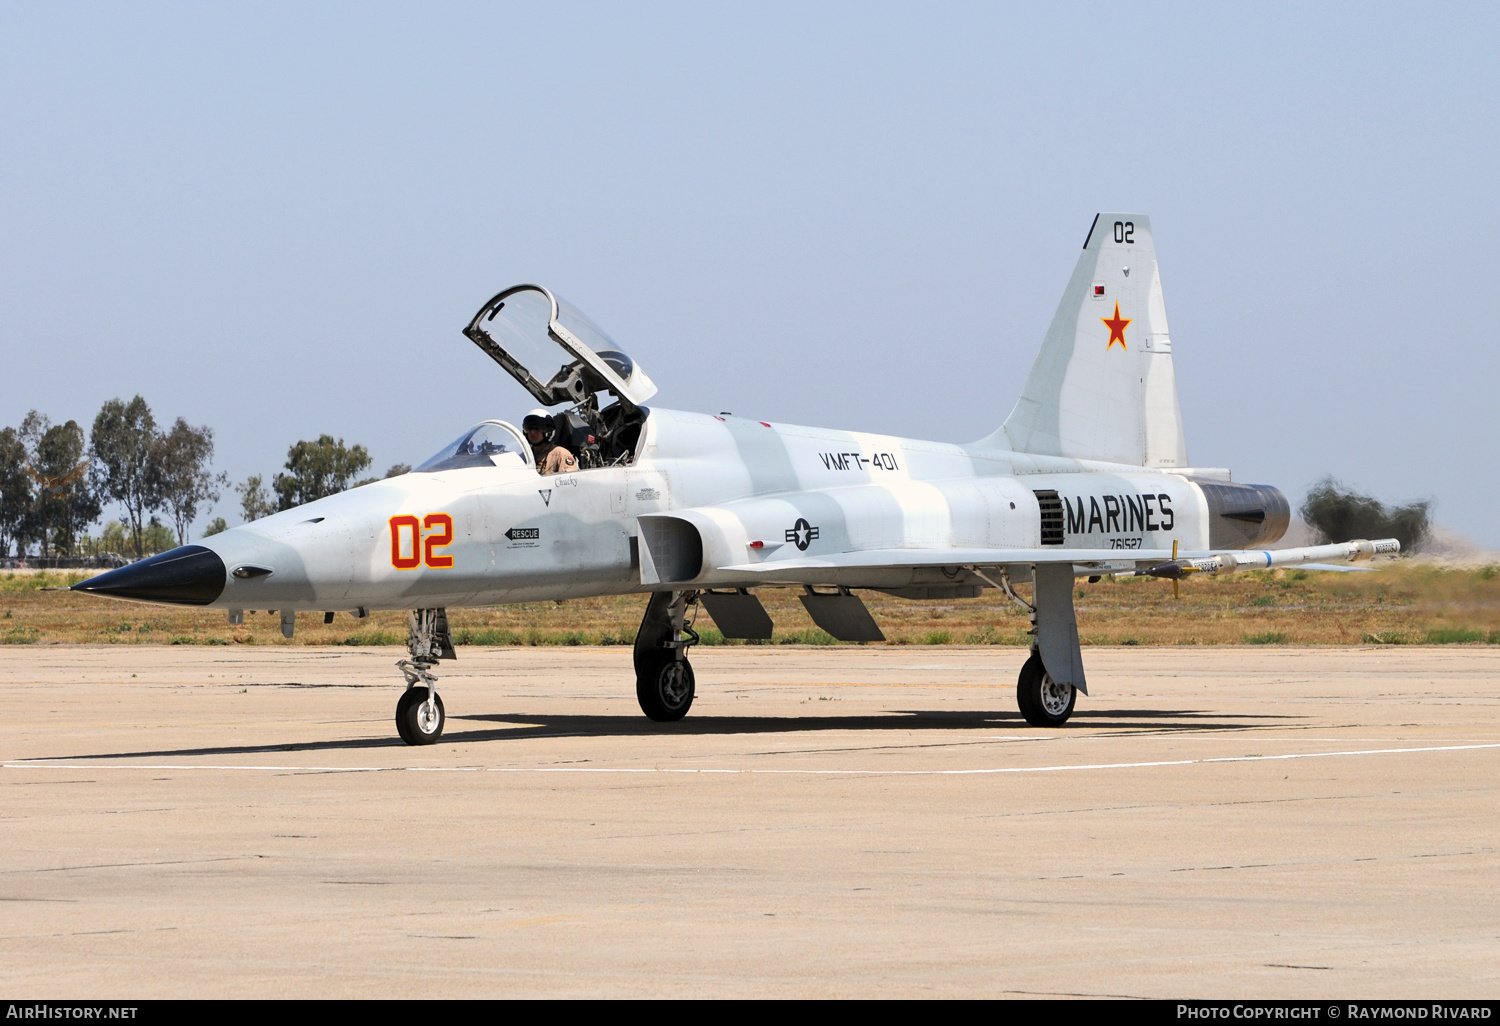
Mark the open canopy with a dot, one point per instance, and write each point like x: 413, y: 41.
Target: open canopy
x: 525, y: 328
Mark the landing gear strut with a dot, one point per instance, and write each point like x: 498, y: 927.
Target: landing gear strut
x: 419, y: 713
x: 663, y: 676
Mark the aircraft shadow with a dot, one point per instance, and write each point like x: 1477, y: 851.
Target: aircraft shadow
x: 521, y: 726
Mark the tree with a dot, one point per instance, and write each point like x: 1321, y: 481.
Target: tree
x: 218, y: 525
x: 122, y: 443
x: 1340, y: 514
x: 397, y: 469
x: 15, y: 490
x: 255, y: 501
x: 179, y: 471
x: 316, y: 469
x: 63, y: 503
x: 155, y: 537
x: 115, y: 537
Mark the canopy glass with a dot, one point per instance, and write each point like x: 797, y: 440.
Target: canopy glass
x: 526, y: 329
x: 493, y: 443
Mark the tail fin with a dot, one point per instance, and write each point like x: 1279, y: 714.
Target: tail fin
x: 1102, y: 388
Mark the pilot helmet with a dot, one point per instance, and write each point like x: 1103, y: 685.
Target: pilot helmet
x: 539, y: 419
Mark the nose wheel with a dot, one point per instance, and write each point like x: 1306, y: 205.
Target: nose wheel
x: 420, y: 716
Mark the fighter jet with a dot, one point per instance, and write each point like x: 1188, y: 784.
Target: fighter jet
x: 1089, y: 475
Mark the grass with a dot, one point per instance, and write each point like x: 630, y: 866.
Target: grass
x: 1453, y: 636
x: 20, y: 634
x: 1396, y: 637
x: 1402, y: 604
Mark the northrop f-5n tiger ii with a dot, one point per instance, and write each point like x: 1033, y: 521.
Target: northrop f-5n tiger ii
x: 1089, y: 475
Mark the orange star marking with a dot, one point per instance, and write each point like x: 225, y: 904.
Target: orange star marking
x: 1116, y: 326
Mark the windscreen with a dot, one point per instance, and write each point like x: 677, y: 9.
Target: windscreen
x: 490, y: 444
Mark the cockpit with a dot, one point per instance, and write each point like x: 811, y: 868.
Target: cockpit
x: 526, y: 327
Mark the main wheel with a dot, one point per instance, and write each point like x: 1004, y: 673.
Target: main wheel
x: 665, y: 687
x: 415, y: 724
x: 1043, y: 701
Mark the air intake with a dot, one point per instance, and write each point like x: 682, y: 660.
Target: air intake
x: 671, y: 550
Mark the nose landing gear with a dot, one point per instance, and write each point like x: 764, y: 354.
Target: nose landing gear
x: 419, y: 712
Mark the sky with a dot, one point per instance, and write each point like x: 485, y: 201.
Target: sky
x: 274, y: 219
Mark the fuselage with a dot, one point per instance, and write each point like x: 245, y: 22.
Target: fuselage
x: 495, y: 534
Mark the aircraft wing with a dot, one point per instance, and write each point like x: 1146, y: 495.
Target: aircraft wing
x: 714, y: 546
x: 904, y: 558
x: 1152, y: 562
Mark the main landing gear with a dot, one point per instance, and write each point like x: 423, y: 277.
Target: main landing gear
x: 663, y: 676
x: 1045, y: 702
x: 419, y: 713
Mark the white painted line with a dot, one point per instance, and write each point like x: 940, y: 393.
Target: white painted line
x: 76, y: 766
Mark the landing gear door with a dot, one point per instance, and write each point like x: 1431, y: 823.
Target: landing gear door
x: 526, y: 328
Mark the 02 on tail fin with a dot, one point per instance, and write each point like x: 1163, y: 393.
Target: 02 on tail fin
x: 1102, y: 387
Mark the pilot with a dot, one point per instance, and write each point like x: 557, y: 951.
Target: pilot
x: 551, y: 458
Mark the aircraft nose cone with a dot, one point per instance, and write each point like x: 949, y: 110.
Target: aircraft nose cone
x: 189, y: 575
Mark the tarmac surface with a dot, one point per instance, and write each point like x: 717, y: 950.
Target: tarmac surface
x: 1240, y: 822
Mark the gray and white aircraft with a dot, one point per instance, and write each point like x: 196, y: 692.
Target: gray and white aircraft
x: 1089, y: 475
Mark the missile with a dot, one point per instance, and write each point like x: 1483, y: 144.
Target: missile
x: 1229, y: 562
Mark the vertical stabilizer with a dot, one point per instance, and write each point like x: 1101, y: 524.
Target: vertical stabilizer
x: 1102, y: 388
